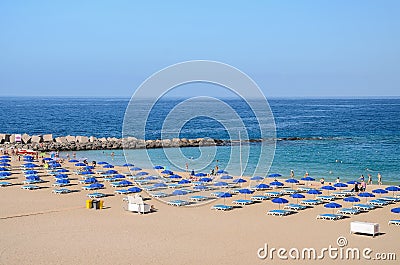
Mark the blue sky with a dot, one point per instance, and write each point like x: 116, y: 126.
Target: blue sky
x: 290, y: 48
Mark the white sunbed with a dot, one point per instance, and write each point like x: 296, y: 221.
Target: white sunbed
x: 279, y: 212
x: 363, y: 207
x: 96, y: 195
x: 295, y: 207
x: 259, y: 198
x: 198, y: 198
x: 5, y: 184
x: 330, y: 216
x: 288, y: 191
x: 30, y: 187
x: 243, y: 202
x: 61, y: 191
x: 378, y: 202
x: 178, y: 203
x: 222, y: 207
x: 325, y: 198
x: 394, y: 222
x: 340, y: 194
x: 348, y: 211
x: 311, y: 202
x: 274, y: 194
x: 390, y: 199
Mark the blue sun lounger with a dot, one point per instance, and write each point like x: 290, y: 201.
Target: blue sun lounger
x: 96, y: 195
x: 222, y: 207
x: 311, y: 202
x: 159, y: 195
x: 330, y: 216
x: 348, y: 211
x: 363, y: 207
x: 394, y: 222
x: 273, y: 194
x: 198, y: 198
x: 216, y: 193
x: 379, y: 202
x: 5, y: 184
x: 30, y: 187
x: 243, y: 202
x: 259, y: 198
x: 178, y: 203
x: 94, y: 186
x: 61, y: 191
x: 295, y: 207
x: 279, y: 212
x: 390, y: 199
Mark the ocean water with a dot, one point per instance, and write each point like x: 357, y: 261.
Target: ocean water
x: 341, y: 137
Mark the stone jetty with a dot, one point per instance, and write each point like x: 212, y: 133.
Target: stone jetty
x: 47, y: 142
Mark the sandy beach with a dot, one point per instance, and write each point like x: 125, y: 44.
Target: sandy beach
x: 39, y: 227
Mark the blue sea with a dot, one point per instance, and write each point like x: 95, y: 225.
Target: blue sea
x: 338, y: 137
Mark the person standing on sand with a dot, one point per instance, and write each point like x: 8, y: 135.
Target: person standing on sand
x: 292, y: 173
x: 379, y: 179
x: 369, y: 179
x: 322, y: 181
x: 337, y: 180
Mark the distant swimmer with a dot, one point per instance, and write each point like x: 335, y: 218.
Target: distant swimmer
x: 330, y: 172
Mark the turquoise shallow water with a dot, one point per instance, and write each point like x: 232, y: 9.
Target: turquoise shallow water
x: 357, y: 136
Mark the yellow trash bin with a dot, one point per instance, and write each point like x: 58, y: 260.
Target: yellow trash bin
x: 89, y: 204
x: 101, y: 204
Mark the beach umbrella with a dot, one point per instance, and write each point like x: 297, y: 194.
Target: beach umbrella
x: 175, y: 176
x: 32, y: 177
x: 221, y: 184
x: 73, y: 161
x: 392, y: 188
x: 297, y: 196
x: 125, y: 182
x: 205, y: 180
x: 96, y: 185
x: 280, y: 201
x: 351, y: 199
x: 119, y: 176
x: 395, y: 210
x: 31, y: 172
x: 257, y: 178
x: 340, y: 185
x: 262, y: 186
x: 30, y: 165
x: 333, y: 205
x: 200, y: 187
x: 90, y: 180
x: 28, y: 157
x: 366, y: 195
x: 380, y: 191
x: 246, y: 191
x: 4, y: 169
x: 47, y: 159
x: 143, y: 173
x: 108, y: 166
x: 160, y: 185
x: 225, y: 195
x: 61, y: 176
x: 226, y: 177
x: 62, y: 170
x: 4, y: 164
x: 292, y: 181
x: 158, y: 167
x: 5, y: 160
x: 274, y: 175
x: 62, y: 181
x: 102, y: 163
x: 5, y: 174
x: 135, y: 169
x: 179, y: 193
x: 80, y: 164
x: 135, y: 189
x: 167, y: 172
x: 150, y: 178
x: 184, y: 181
x: 200, y: 174
x: 54, y: 165
x: 89, y: 167
x: 222, y: 172
x: 314, y: 191
x: 5, y: 156
x: 352, y: 182
x: 239, y: 180
x: 128, y: 165
x: 328, y: 188
x: 276, y: 184
x: 86, y: 173
x: 308, y: 179
x: 111, y: 171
